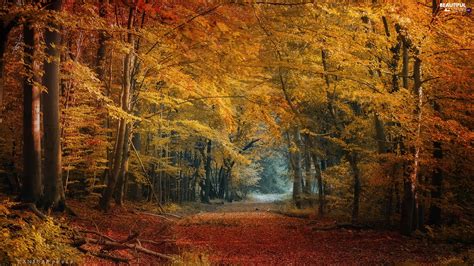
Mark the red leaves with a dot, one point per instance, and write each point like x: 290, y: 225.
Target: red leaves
x: 150, y: 8
x: 267, y: 238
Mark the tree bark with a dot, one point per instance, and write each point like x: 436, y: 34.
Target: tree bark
x: 353, y: 161
x: 122, y: 178
x: 121, y: 138
x: 319, y: 178
x: 207, y: 183
x: 307, y: 159
x: 409, y: 206
x: 436, y: 183
x: 100, y: 70
x: 32, y: 185
x: 295, y: 158
x: 101, y: 52
x: 53, y: 185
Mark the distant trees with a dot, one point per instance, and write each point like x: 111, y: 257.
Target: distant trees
x: 373, y: 90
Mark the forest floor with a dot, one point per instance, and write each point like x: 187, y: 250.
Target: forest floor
x: 253, y: 232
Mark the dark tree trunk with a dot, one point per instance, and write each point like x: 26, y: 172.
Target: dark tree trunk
x: 115, y: 171
x: 381, y: 149
x: 296, y: 166
x: 353, y: 161
x: 32, y: 187
x: 53, y: 186
x: 308, y: 177
x: 436, y: 183
x: 101, y: 52
x: 405, y: 58
x: 408, y: 205
x: 395, y: 49
x: 101, y: 73
x: 228, y: 193
x: 207, y: 182
x: 5, y: 28
x: 122, y: 178
x: 222, y: 182
x: 410, y: 212
x: 319, y: 178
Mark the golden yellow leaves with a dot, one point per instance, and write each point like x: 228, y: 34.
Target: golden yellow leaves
x: 222, y: 27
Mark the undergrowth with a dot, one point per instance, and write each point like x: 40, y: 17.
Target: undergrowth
x: 26, y: 239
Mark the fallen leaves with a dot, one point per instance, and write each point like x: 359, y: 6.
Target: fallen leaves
x: 267, y: 238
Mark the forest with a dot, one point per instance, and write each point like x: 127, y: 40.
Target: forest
x: 242, y: 132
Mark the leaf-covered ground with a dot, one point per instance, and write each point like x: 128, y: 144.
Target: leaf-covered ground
x: 239, y: 236
x: 252, y: 233
x: 121, y: 223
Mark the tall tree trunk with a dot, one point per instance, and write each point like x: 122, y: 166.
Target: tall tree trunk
x: 382, y: 149
x: 409, y: 206
x: 229, y: 192
x: 101, y: 52
x: 121, y: 138
x: 295, y: 158
x: 353, y: 161
x: 319, y: 178
x: 121, y: 182
x: 405, y: 58
x: 53, y: 185
x: 207, y: 182
x: 395, y: 49
x: 101, y: 74
x: 307, y: 160
x: 436, y: 183
x: 32, y: 187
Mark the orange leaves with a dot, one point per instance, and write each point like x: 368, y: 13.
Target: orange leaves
x: 149, y: 8
x: 241, y: 235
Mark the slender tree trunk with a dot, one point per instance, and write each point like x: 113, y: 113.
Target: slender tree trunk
x: 32, y: 187
x: 121, y: 182
x: 319, y: 178
x: 308, y: 177
x: 53, y: 185
x: 121, y: 139
x: 101, y: 52
x: 353, y: 161
x: 382, y: 149
x: 207, y: 184
x: 436, y: 183
x: 405, y: 58
x: 395, y: 49
x: 229, y: 188
x: 409, y: 206
x: 101, y: 74
x: 295, y: 155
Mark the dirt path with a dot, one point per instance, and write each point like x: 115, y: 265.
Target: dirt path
x: 239, y: 234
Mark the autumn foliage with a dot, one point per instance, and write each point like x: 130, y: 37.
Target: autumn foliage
x: 367, y: 103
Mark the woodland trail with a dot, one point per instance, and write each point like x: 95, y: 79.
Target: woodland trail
x: 248, y: 234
